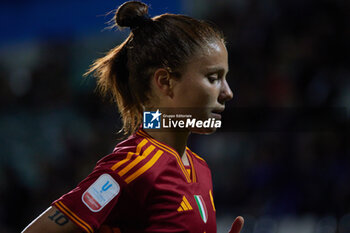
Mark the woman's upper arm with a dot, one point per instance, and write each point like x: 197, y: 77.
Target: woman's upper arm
x: 52, y: 221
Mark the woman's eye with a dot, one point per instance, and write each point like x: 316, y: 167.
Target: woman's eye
x: 213, y: 78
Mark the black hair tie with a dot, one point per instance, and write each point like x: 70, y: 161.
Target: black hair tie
x: 140, y: 21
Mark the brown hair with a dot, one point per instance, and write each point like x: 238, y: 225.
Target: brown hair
x: 167, y: 41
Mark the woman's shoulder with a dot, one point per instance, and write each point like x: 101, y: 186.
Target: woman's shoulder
x: 134, y: 158
x: 127, y: 145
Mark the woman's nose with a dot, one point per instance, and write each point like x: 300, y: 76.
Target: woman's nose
x: 225, y: 93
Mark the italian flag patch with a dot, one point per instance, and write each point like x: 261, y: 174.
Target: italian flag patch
x: 202, y: 208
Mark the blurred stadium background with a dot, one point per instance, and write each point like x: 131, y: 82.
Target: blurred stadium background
x: 283, y: 171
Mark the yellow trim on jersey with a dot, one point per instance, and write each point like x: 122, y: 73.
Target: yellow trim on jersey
x: 62, y: 207
x: 212, y: 199
x: 137, y: 160
x: 194, y: 178
x: 145, y: 167
x: 128, y: 157
x: 169, y: 150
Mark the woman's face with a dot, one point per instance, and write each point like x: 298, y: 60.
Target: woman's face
x: 203, y: 88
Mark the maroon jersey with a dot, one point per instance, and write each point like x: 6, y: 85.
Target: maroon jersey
x: 143, y: 186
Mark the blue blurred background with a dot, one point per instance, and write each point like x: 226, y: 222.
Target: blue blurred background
x: 285, y: 56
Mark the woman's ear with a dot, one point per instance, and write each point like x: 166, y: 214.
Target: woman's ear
x: 163, y: 81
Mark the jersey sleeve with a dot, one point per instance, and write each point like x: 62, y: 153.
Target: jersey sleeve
x: 89, y: 204
x: 128, y: 170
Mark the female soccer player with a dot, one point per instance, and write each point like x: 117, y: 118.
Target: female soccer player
x: 151, y: 182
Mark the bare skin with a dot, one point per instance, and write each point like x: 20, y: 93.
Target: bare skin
x: 202, y: 85
x: 52, y: 221
x: 237, y: 225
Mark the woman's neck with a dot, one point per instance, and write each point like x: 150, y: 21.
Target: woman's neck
x: 177, y: 140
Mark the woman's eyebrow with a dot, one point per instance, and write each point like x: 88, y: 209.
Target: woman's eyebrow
x: 216, y: 69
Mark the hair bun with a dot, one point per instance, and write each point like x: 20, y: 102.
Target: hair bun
x: 131, y: 14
